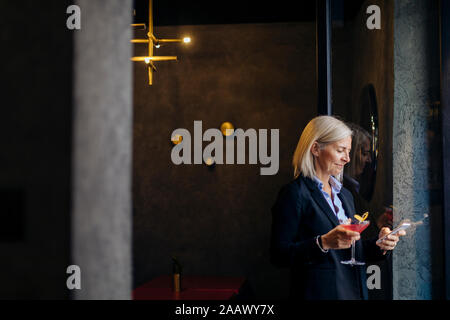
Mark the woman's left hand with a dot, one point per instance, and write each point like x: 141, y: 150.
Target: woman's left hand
x: 391, y: 241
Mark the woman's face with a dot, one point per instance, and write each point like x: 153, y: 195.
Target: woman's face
x: 365, y: 157
x: 333, y: 157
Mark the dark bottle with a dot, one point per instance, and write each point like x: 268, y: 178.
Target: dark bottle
x: 176, y: 275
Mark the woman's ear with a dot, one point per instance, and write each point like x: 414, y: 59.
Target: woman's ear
x: 315, y: 149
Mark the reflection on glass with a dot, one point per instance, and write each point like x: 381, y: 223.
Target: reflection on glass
x: 360, y: 173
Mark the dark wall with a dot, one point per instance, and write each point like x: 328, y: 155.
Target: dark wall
x: 35, y: 137
x: 445, y: 120
x: 217, y: 221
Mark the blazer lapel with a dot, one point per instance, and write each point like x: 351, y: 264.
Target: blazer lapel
x: 320, y: 200
x: 345, y: 204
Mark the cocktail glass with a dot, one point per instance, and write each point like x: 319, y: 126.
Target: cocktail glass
x: 358, y: 227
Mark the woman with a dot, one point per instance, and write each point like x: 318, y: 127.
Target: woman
x: 306, y: 231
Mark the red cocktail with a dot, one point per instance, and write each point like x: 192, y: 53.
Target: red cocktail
x: 358, y: 227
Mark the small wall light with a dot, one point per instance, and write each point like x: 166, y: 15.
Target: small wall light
x: 227, y: 129
x: 176, y: 139
x: 210, y: 162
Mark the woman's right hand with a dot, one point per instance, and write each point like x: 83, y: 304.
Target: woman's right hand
x: 339, y: 238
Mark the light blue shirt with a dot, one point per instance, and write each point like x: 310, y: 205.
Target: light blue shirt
x: 335, y: 189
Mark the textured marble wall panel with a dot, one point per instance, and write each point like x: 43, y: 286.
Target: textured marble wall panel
x: 415, y: 89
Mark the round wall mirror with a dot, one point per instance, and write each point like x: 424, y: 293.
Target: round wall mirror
x: 369, y: 145
x: 360, y: 173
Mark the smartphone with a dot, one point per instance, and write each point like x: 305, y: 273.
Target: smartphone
x: 403, y: 226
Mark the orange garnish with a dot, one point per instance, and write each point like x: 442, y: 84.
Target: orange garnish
x: 361, y: 219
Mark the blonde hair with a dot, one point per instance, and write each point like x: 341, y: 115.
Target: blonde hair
x: 324, y: 130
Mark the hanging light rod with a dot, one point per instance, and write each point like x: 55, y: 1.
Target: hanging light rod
x: 139, y: 25
x: 154, y: 58
x: 159, y: 41
x: 139, y: 41
x: 152, y: 41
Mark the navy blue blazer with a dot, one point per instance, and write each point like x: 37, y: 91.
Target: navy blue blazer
x: 301, y: 213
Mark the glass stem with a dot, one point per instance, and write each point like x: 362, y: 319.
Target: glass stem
x: 353, y: 250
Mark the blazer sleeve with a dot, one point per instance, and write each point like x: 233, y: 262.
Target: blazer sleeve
x: 286, y: 218
x: 373, y: 252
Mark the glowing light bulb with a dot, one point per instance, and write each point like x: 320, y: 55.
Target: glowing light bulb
x: 176, y: 139
x: 186, y: 40
x: 157, y: 46
x: 209, y: 161
x: 227, y: 129
x: 147, y: 60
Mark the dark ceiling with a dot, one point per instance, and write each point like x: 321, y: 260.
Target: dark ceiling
x: 194, y: 12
